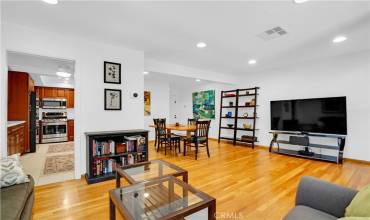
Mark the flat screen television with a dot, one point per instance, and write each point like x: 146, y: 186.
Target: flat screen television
x: 318, y: 115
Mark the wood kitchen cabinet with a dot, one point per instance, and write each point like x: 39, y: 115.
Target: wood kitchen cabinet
x: 37, y: 90
x: 49, y: 92
x: 70, y: 129
x: 61, y: 93
x: 16, y: 139
x: 20, y: 85
x: 70, y: 98
x: 52, y: 92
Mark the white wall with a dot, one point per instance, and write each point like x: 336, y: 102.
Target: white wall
x: 160, y: 105
x: 89, y: 82
x: 183, y: 108
x: 3, y: 97
x: 340, y: 76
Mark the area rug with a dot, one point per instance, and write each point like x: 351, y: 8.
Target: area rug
x: 58, y: 164
x: 61, y: 147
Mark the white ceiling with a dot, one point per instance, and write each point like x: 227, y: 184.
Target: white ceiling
x: 176, y: 81
x: 42, y: 69
x: 168, y: 30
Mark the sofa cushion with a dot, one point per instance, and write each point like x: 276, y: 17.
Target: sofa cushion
x: 354, y: 218
x: 301, y: 212
x: 11, y: 171
x: 14, y: 199
x: 360, y: 205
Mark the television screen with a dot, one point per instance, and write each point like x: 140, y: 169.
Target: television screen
x: 319, y: 115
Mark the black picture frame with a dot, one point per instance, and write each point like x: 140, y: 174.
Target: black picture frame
x: 119, y: 98
x: 106, y: 80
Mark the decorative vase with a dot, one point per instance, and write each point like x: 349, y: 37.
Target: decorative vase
x: 253, y: 102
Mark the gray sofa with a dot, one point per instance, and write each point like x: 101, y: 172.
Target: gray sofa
x: 17, y: 201
x: 320, y: 200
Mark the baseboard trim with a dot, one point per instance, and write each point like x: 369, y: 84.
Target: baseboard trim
x: 357, y: 161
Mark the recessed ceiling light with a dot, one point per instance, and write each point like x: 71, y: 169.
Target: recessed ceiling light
x: 300, y: 1
x: 52, y: 2
x: 64, y: 74
x: 146, y: 195
x: 252, y: 61
x: 145, y: 72
x: 201, y: 45
x: 197, y: 80
x: 339, y: 39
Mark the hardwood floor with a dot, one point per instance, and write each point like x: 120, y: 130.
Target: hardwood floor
x: 247, y: 184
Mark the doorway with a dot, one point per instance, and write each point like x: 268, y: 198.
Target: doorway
x: 41, y: 115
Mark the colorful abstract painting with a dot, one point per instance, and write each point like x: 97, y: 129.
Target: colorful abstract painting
x: 147, y: 103
x: 204, y: 104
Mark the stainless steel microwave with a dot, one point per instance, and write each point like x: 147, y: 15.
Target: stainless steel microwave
x: 54, y: 103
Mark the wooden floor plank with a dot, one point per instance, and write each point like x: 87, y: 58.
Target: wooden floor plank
x: 247, y: 183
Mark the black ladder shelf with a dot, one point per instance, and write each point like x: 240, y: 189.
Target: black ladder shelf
x: 235, y: 96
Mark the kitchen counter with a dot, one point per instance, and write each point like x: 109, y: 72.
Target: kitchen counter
x: 14, y: 123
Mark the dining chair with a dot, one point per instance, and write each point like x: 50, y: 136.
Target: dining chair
x: 191, y: 121
x: 155, y: 120
x: 200, y: 138
x: 165, y: 138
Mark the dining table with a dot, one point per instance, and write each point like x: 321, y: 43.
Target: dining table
x: 180, y: 127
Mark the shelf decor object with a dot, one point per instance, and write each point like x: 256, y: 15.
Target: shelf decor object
x: 300, y: 139
x: 109, y: 149
x: 243, y: 100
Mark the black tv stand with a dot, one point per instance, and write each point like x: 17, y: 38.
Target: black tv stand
x: 306, y: 153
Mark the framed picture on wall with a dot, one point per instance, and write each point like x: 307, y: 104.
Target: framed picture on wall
x: 112, y: 72
x: 112, y: 99
x: 147, y: 103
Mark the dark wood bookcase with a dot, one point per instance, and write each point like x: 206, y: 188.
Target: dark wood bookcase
x: 238, y: 98
x: 138, y: 152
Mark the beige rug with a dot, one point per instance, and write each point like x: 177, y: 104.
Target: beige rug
x: 61, y: 147
x: 58, y: 164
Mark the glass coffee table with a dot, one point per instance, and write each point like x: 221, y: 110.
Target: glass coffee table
x: 150, y: 170
x: 161, y: 198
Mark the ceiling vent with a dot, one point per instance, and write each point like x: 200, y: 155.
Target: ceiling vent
x: 272, y: 33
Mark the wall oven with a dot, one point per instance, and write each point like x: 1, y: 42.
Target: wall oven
x: 54, y: 127
x: 52, y: 103
x: 37, y: 132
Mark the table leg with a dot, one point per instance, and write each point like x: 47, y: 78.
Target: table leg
x: 188, y: 136
x: 118, y: 180
x: 185, y: 177
x: 184, y: 190
x: 169, y: 136
x: 212, y: 210
x: 112, y: 210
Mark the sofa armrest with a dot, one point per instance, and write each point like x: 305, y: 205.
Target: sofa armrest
x: 324, y: 196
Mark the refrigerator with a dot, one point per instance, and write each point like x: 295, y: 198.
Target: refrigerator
x: 33, y: 119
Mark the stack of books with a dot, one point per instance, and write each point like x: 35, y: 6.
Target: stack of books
x: 103, y: 148
x: 103, y: 166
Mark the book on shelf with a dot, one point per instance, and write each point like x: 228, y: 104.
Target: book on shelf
x: 103, y: 147
x: 132, y: 159
x: 130, y: 150
x: 130, y: 144
x: 103, y: 166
